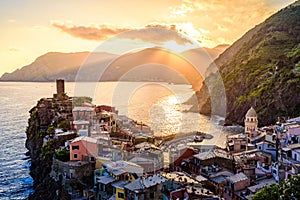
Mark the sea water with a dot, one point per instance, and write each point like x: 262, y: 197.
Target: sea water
x: 160, y: 105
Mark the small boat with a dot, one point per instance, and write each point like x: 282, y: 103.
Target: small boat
x: 198, y: 138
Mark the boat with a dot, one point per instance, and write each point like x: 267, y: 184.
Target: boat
x: 199, y: 137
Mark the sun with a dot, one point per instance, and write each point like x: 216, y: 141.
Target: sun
x: 196, y: 36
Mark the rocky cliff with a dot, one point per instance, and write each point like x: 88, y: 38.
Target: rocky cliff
x: 43, y: 116
x: 261, y: 69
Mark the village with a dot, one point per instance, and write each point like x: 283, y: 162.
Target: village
x: 106, y: 156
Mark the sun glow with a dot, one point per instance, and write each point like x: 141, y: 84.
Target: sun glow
x: 172, y: 100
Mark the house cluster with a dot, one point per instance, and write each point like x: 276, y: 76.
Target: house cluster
x: 251, y: 160
x: 113, y: 157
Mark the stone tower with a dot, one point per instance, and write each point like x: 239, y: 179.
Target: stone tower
x: 60, y: 86
x: 251, y: 121
x: 60, y: 89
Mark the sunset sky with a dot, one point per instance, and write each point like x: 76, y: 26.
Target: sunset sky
x: 32, y: 28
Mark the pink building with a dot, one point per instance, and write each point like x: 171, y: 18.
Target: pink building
x: 82, y: 148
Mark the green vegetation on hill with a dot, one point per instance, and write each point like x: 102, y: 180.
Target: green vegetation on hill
x: 287, y: 190
x: 264, y: 69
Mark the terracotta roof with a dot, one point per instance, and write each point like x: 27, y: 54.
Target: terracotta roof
x: 188, y: 153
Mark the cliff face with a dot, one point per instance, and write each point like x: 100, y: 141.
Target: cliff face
x: 42, y: 116
x: 261, y: 69
x: 39, y: 119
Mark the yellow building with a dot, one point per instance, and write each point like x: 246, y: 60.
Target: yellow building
x: 119, y: 191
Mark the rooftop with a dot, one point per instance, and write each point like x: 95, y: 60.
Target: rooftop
x: 81, y: 122
x: 251, y: 113
x: 259, y: 186
x: 85, y: 139
x: 105, y: 179
x: 142, y: 183
x: 82, y: 108
x: 120, y: 184
x: 120, y: 167
x: 297, y: 119
x: 218, y: 179
x: 201, y: 178
x: 212, y: 154
x: 180, y: 177
x: 293, y: 146
x: 237, y: 178
x: 140, y: 160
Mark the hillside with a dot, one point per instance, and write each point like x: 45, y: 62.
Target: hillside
x: 53, y: 65
x: 261, y: 69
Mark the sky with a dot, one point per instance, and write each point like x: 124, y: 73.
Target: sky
x: 32, y: 28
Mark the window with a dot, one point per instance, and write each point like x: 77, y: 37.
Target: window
x: 75, y: 155
x: 151, y: 195
x: 75, y: 147
x: 243, y: 146
x: 121, y: 195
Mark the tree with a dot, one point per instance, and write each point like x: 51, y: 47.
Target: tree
x: 64, y: 125
x: 290, y: 188
x: 267, y: 193
x: 51, y: 130
x: 287, y: 190
x: 78, y: 101
x: 63, y: 154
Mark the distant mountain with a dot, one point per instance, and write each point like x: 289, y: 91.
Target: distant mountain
x: 153, y: 64
x: 203, y: 57
x: 261, y: 69
x: 53, y: 65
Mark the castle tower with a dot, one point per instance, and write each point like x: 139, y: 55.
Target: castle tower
x: 251, y: 121
x: 60, y: 89
x: 60, y: 86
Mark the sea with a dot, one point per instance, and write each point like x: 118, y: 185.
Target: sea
x: 160, y: 105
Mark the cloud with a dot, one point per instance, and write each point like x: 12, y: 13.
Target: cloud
x: 226, y: 20
x: 155, y: 33
x: 158, y: 34
x: 97, y: 33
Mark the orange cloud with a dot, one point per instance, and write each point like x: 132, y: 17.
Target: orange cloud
x: 99, y: 33
x: 226, y: 20
x: 153, y: 33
